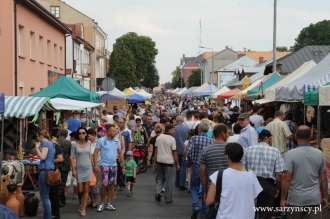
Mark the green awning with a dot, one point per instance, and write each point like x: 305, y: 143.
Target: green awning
x: 312, y: 98
x: 254, y: 93
x: 68, y: 88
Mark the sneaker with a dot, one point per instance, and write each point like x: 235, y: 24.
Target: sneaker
x: 163, y: 190
x: 74, y: 197
x: 100, y: 208
x: 109, y: 207
x: 195, y: 213
x: 158, y: 197
x: 129, y: 194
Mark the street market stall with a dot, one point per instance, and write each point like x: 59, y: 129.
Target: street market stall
x: 229, y: 94
x: 136, y: 98
x: 220, y: 91
x: 208, y: 91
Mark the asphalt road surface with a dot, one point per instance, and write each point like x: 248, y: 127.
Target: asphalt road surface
x: 141, y: 205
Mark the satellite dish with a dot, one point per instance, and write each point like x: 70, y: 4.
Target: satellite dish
x: 108, y: 84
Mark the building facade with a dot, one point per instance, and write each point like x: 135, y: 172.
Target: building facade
x: 34, y: 42
x: 92, y: 33
x: 78, y: 56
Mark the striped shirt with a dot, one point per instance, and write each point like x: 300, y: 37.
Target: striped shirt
x: 263, y: 160
x: 196, y: 145
x: 213, y: 157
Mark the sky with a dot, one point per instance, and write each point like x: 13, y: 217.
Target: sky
x: 175, y: 24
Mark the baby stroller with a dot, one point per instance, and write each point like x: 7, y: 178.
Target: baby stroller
x: 140, y: 155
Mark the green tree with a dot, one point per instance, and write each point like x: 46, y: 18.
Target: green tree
x: 314, y: 34
x: 282, y: 49
x: 195, y: 78
x: 168, y: 85
x: 176, y: 78
x: 143, y: 49
x: 152, y: 78
x: 123, y: 74
x: 177, y: 83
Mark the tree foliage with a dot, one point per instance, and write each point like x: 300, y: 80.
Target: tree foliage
x: 142, y: 53
x: 195, y: 78
x: 176, y: 78
x: 123, y: 74
x: 282, y: 49
x: 314, y: 34
x: 152, y: 78
x: 168, y: 85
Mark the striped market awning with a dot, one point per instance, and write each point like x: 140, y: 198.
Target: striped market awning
x: 21, y: 107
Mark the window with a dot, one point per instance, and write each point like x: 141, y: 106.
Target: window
x: 61, y: 57
x: 55, y: 55
x: 21, y: 51
x: 32, y: 90
x: 49, y: 57
x: 55, y: 10
x: 32, y: 46
x: 41, y: 49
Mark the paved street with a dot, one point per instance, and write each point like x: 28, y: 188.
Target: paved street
x: 142, y: 204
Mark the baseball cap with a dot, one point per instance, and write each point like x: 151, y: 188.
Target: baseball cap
x: 115, y: 108
x: 243, y: 116
x: 129, y: 153
x: 264, y: 134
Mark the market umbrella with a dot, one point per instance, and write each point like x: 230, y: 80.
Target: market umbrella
x: 136, y: 98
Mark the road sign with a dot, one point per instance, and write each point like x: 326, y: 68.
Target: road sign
x: 246, y: 80
x: 108, y: 84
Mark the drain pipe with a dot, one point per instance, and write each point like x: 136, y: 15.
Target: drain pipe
x: 15, y: 46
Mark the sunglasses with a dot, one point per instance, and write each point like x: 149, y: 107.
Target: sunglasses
x: 82, y: 133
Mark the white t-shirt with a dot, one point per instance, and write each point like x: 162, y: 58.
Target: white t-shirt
x: 239, y: 189
x: 191, y: 124
x: 110, y: 119
x: 256, y: 120
x: 233, y: 138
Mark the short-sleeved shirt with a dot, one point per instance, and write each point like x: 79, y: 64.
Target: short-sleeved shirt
x: 165, y: 145
x: 213, y: 157
x: 108, y: 151
x: 248, y: 137
x: 153, y: 143
x: 127, y: 135
x: 256, y: 120
x: 263, y: 160
x: 196, y: 145
x: 280, y: 131
x: 66, y: 149
x: 58, y: 151
x: 239, y: 189
x: 74, y: 124
x: 48, y: 163
x: 180, y: 135
x: 305, y: 164
x: 130, y: 165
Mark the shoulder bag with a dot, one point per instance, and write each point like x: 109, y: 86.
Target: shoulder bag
x: 213, y: 208
x: 92, y: 183
x: 53, y: 177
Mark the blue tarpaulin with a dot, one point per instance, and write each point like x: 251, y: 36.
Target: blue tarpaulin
x: 211, y: 89
x: 136, y: 98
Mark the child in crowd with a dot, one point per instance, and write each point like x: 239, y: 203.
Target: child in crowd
x: 130, y: 166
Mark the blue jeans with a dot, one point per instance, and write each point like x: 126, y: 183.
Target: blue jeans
x: 44, y: 195
x: 180, y: 178
x: 194, y: 190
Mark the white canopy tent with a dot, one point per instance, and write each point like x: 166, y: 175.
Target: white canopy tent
x: 67, y: 104
x: 222, y: 90
x: 201, y: 88
x: 144, y: 93
x: 181, y: 91
x: 298, y: 73
x: 294, y: 91
x: 114, y: 92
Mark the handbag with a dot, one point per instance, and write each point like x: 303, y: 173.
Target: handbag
x: 213, y: 208
x: 53, y: 177
x: 93, y: 180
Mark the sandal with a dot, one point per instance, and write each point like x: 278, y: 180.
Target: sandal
x: 94, y: 206
x: 79, y: 210
x: 83, y: 213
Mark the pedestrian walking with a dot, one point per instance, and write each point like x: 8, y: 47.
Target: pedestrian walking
x: 267, y: 163
x: 130, y: 175
x: 248, y: 134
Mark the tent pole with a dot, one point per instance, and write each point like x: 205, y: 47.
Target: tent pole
x: 319, y: 125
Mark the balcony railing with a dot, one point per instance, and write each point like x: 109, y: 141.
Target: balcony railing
x: 101, y: 53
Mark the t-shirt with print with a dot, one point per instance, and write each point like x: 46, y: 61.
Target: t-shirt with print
x: 130, y: 165
x: 239, y: 189
x: 108, y: 151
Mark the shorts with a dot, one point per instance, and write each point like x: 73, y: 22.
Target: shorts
x: 129, y: 179
x: 71, y: 179
x: 96, y: 189
x: 108, y: 175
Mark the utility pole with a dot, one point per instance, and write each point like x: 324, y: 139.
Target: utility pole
x: 274, y: 37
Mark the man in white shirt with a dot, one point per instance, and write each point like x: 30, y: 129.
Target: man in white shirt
x: 190, y: 123
x: 256, y: 119
x: 237, y: 130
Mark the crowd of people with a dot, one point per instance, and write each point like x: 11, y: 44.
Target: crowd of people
x: 259, y: 163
